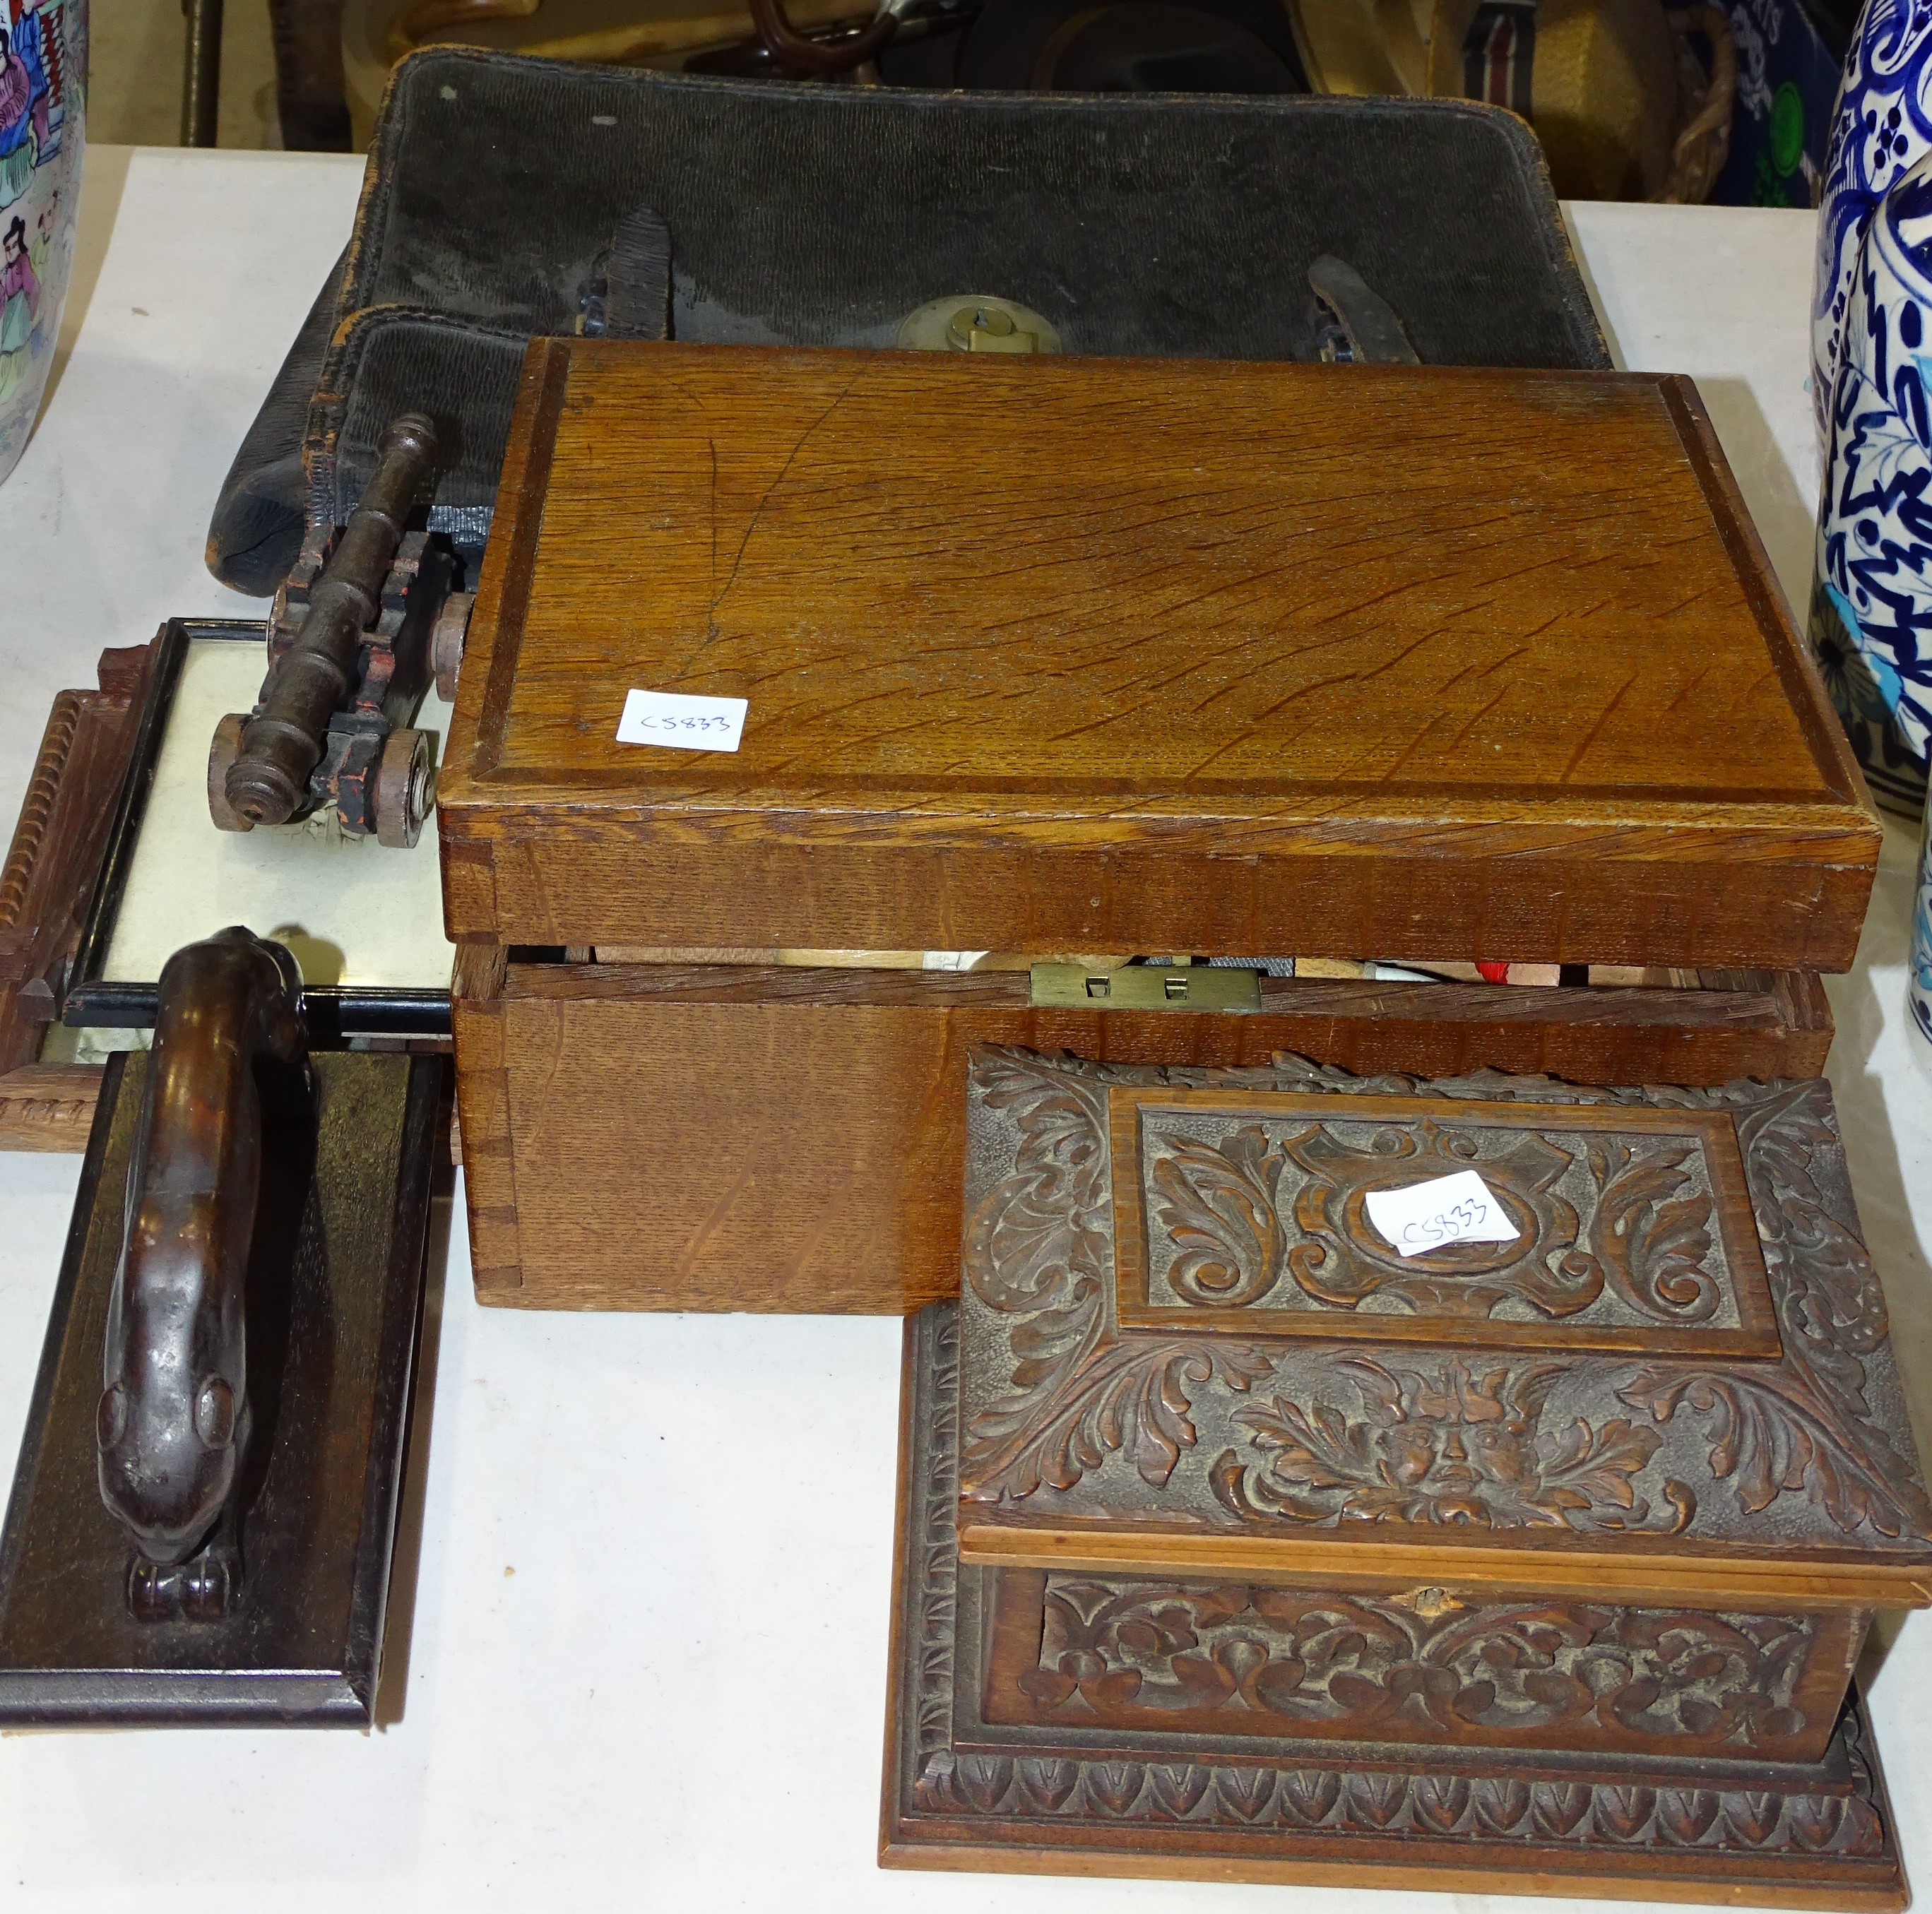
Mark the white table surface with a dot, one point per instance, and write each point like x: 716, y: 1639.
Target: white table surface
x: 638, y: 1657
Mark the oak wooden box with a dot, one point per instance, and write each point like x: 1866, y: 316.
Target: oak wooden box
x: 1234, y: 1543
x: 1067, y: 656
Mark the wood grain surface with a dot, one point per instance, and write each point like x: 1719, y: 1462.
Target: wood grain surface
x: 49, y: 1107
x: 796, y: 1136
x: 1840, y: 1579
x: 1069, y: 654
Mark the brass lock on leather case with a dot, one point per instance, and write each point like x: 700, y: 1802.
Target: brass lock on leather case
x: 977, y: 323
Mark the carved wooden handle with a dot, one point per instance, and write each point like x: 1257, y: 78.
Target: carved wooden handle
x: 173, y: 1417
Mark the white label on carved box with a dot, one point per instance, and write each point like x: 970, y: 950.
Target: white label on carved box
x: 1445, y: 1209
x: 682, y: 721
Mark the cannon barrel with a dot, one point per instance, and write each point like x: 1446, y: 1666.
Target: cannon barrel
x: 268, y: 783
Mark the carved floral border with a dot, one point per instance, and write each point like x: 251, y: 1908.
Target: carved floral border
x: 1290, y: 1661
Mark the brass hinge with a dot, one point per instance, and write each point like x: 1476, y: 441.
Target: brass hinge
x: 1145, y: 987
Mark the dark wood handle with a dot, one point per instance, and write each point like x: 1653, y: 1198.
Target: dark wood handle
x: 173, y: 1417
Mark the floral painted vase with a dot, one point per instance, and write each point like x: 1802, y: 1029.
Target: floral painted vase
x: 43, y: 100
x: 1919, y: 978
x: 1882, y: 127
x: 1871, y: 608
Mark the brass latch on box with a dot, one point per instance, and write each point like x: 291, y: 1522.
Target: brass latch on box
x: 1145, y: 987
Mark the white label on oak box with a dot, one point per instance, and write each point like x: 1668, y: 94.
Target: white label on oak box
x: 1444, y: 1210
x: 683, y: 722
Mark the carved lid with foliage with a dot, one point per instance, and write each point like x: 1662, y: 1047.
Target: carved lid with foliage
x: 1184, y: 1344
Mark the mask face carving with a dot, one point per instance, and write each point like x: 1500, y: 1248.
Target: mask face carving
x: 1461, y: 1445
x: 1088, y: 1401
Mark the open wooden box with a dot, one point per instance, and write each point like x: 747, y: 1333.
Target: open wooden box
x: 1079, y: 661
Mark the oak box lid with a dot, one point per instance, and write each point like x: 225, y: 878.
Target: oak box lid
x: 1186, y: 1349
x: 1076, y: 654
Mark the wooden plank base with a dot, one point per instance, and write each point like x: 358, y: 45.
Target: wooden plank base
x: 334, y: 1296
x: 960, y: 1793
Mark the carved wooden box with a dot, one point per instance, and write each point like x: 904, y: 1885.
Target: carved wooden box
x: 1234, y: 1542
x: 1069, y: 656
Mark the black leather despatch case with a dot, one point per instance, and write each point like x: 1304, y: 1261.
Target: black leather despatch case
x: 1136, y: 225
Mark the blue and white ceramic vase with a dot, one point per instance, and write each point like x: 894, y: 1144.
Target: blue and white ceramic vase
x: 1871, y: 609
x: 1919, y: 978
x: 1882, y: 127
x: 43, y: 115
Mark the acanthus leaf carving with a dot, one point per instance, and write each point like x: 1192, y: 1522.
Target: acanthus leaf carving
x: 1115, y: 1784
x: 1623, y: 1812
x: 1561, y: 1807
x: 1124, y: 1396
x: 1219, y: 1205
x: 1036, y: 1244
x: 1503, y: 1818
x: 1440, y: 1803
x: 1179, y: 1791
x: 1647, y: 1238
x: 984, y: 1780
x: 1501, y: 1802
x: 1687, y: 1815
x: 1049, y: 1782
x: 1768, y: 1439
x: 1310, y: 1794
x: 1222, y: 1207
x: 1806, y: 1426
x: 1044, y: 1227
x: 1341, y: 1260
x: 1461, y: 1445
x: 1819, y: 1420
x: 1358, y: 1665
